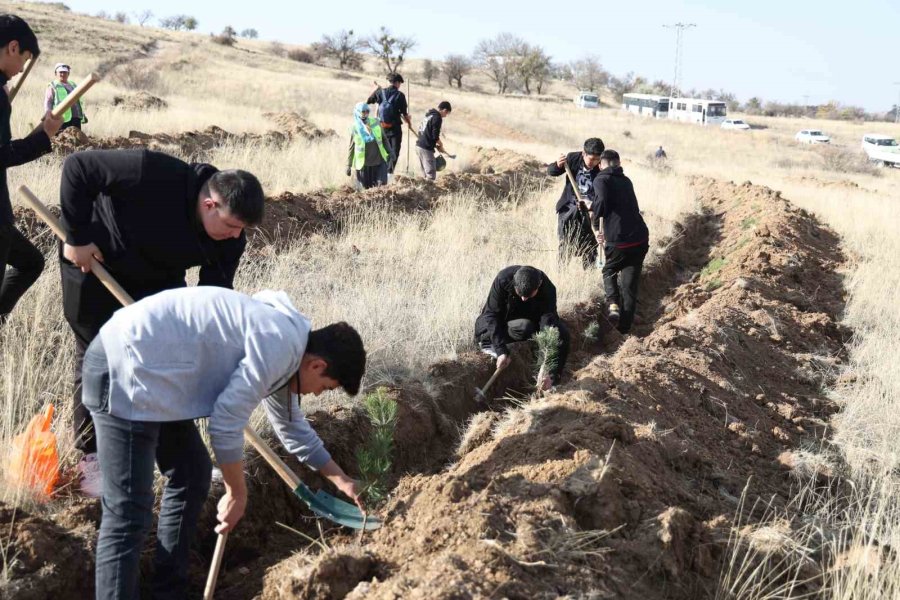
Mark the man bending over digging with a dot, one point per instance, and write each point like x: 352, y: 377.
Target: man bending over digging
x: 184, y: 354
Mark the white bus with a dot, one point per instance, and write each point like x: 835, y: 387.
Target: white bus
x: 648, y: 105
x: 694, y: 110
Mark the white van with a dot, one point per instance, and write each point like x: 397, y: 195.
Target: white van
x: 587, y: 100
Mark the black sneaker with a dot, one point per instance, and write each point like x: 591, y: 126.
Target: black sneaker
x: 614, y: 314
x: 487, y: 348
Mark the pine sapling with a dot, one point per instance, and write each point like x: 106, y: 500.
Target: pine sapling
x: 375, y: 457
x: 547, y: 341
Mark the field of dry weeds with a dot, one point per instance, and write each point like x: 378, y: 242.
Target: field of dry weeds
x: 739, y: 445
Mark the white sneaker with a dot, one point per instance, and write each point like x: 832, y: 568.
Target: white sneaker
x: 91, y: 476
x: 217, y: 476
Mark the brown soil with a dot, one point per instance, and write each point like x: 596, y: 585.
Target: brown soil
x: 622, y: 483
x: 297, y: 126
x: 290, y: 213
x: 139, y: 101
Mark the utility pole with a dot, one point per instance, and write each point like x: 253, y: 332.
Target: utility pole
x: 679, y: 42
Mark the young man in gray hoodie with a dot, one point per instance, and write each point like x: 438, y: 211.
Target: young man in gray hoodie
x: 186, y: 354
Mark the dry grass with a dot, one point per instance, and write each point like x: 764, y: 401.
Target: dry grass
x: 418, y: 281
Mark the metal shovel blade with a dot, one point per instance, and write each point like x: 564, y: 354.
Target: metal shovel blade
x: 343, y: 513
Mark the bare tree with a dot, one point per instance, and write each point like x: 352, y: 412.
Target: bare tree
x: 143, y: 17
x: 121, y: 17
x: 589, y: 73
x: 178, y: 23
x: 533, y: 67
x: 250, y: 34
x: 389, y: 49
x: 456, y: 66
x: 429, y: 70
x: 343, y: 47
x: 500, y: 58
x: 621, y: 85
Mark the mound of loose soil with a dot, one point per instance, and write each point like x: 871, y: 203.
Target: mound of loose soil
x: 140, y: 101
x: 624, y: 483
x: 493, y: 160
x: 297, y: 126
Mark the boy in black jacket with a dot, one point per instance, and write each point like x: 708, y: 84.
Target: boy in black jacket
x: 430, y: 138
x: 573, y: 223
x: 148, y: 217
x: 521, y: 302
x: 18, y: 44
x: 393, y: 111
x: 624, y: 236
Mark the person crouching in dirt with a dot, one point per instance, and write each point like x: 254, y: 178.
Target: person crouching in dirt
x: 148, y: 217
x: 187, y: 354
x: 522, y: 301
x: 430, y: 139
x: 572, y: 221
x: 623, y: 236
x: 368, y: 155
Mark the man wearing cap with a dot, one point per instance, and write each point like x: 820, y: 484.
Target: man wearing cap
x: 392, y: 108
x: 57, y: 92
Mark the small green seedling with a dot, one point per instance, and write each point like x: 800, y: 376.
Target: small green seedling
x: 376, y: 456
x: 547, y: 341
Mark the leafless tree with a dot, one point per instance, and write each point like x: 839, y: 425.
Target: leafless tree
x: 342, y: 47
x: 456, y: 66
x: 389, y: 49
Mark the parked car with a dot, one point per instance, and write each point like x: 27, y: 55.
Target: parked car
x: 812, y: 136
x: 883, y: 150
x: 587, y: 100
x: 735, y: 124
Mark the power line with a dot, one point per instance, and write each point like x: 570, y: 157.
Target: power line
x: 679, y: 43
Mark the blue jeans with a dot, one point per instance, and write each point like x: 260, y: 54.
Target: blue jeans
x: 127, y: 451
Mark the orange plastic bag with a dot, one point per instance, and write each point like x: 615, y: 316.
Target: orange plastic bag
x: 33, y: 460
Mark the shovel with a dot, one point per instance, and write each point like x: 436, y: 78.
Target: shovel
x: 321, y: 503
x: 583, y: 206
x: 15, y: 91
x: 481, y: 394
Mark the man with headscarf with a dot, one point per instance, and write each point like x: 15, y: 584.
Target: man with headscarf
x: 367, y: 154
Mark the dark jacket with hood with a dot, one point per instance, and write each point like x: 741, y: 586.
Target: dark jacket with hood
x: 140, y: 208
x: 14, y: 153
x: 616, y: 203
x: 504, y: 305
x: 567, y: 205
x: 430, y: 130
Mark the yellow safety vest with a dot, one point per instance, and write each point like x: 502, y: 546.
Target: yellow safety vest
x: 359, y: 144
x: 61, y: 94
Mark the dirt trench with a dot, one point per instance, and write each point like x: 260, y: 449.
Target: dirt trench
x: 625, y: 482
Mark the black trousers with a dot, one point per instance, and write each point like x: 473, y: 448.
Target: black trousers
x: 621, y: 276
x: 393, y: 141
x: 87, y: 306
x: 577, y: 238
x: 520, y: 330
x: 25, y: 265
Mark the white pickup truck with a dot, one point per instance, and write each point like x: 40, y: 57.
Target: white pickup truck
x: 882, y: 150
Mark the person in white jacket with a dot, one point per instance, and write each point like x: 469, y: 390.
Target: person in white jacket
x: 185, y: 354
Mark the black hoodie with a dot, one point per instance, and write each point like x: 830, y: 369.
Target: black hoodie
x: 430, y: 130
x: 14, y: 153
x: 616, y: 203
x: 567, y: 205
x: 140, y: 208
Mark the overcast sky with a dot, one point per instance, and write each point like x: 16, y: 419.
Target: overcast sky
x: 778, y: 49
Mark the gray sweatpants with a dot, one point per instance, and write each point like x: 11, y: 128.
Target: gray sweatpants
x: 426, y: 161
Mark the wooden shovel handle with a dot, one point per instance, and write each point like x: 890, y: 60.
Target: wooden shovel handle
x: 274, y: 461
x: 578, y: 195
x: 14, y: 92
x: 214, y: 567
x: 96, y: 266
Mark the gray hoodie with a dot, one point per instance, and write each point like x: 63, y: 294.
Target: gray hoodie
x: 212, y: 352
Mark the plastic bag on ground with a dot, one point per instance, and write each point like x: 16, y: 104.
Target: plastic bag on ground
x: 33, y: 459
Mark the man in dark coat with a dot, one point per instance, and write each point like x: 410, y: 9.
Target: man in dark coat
x: 624, y: 236
x: 521, y: 302
x: 573, y: 221
x: 148, y: 217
